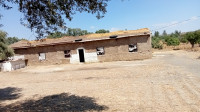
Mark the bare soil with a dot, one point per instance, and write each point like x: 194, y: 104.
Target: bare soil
x: 170, y: 81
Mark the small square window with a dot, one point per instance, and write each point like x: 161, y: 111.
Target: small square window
x: 133, y: 48
x: 42, y: 56
x: 67, y: 53
x: 100, y: 51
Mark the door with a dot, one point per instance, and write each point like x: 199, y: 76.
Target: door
x: 81, y: 55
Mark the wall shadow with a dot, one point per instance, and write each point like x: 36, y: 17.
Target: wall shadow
x: 57, y: 103
x: 9, y: 93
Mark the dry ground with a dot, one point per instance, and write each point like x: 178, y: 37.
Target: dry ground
x: 170, y: 81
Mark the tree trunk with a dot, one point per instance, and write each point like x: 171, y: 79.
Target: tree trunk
x: 192, y: 45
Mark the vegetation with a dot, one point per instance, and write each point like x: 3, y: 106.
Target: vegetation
x: 70, y: 32
x: 46, y: 16
x: 172, y: 41
x: 57, y: 34
x: 156, y: 43
x: 102, y: 31
x: 74, y: 32
x: 11, y: 40
x: 156, y: 34
x: 175, y: 38
x: 193, y: 37
x: 5, y: 51
x: 183, y: 39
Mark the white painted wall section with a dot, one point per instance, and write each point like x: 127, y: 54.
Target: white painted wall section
x: 12, y: 65
x: 6, y: 66
x: 89, y: 57
x: 74, y: 58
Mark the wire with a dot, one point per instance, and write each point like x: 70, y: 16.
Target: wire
x: 175, y: 23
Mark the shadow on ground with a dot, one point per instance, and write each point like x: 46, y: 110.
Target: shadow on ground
x: 58, y: 103
x: 9, y: 93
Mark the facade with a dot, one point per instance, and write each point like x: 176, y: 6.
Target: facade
x: 122, y: 46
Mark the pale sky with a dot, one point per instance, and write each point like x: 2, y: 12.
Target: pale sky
x: 182, y: 15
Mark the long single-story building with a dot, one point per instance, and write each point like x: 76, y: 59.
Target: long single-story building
x: 113, y: 46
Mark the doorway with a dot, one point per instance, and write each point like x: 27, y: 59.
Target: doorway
x: 81, y: 55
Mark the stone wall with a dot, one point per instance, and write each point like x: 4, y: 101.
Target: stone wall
x: 115, y: 50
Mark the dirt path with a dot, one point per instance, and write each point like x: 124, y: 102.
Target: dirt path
x: 167, y: 82
x: 183, y: 60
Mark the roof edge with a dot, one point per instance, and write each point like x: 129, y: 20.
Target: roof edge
x: 60, y: 43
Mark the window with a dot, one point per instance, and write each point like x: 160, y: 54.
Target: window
x: 42, y: 56
x: 132, y: 48
x: 100, y: 51
x: 67, y: 53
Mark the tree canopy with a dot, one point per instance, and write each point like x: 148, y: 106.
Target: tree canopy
x: 193, y: 37
x: 156, y: 34
x: 11, y: 40
x: 46, y: 16
x: 102, y: 31
x: 69, y: 32
x: 76, y: 32
x: 5, y: 51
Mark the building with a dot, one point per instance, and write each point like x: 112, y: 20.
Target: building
x: 114, y: 46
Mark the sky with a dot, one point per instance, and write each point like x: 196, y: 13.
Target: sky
x: 157, y: 15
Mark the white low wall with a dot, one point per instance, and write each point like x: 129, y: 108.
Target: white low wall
x: 89, y: 57
x: 12, y: 65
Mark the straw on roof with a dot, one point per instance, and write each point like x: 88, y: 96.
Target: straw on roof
x: 68, y: 39
x: 90, y: 36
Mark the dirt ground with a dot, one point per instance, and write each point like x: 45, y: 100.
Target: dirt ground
x: 170, y: 81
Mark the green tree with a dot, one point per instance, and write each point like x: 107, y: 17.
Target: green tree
x: 76, y: 32
x: 164, y: 33
x: 177, y: 33
x: 47, y: 15
x: 57, y: 34
x: 183, y: 40
x: 172, y: 41
x: 197, y: 33
x: 5, y: 51
x: 193, y: 37
x: 102, y: 31
x: 69, y: 32
x: 11, y: 40
x: 156, y: 34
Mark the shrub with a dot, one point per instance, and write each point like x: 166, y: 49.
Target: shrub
x: 183, y: 40
x: 172, y: 41
x: 156, y: 43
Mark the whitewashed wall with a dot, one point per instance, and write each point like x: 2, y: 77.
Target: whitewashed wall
x: 74, y: 58
x: 20, y: 57
x: 89, y: 57
x: 12, y: 65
